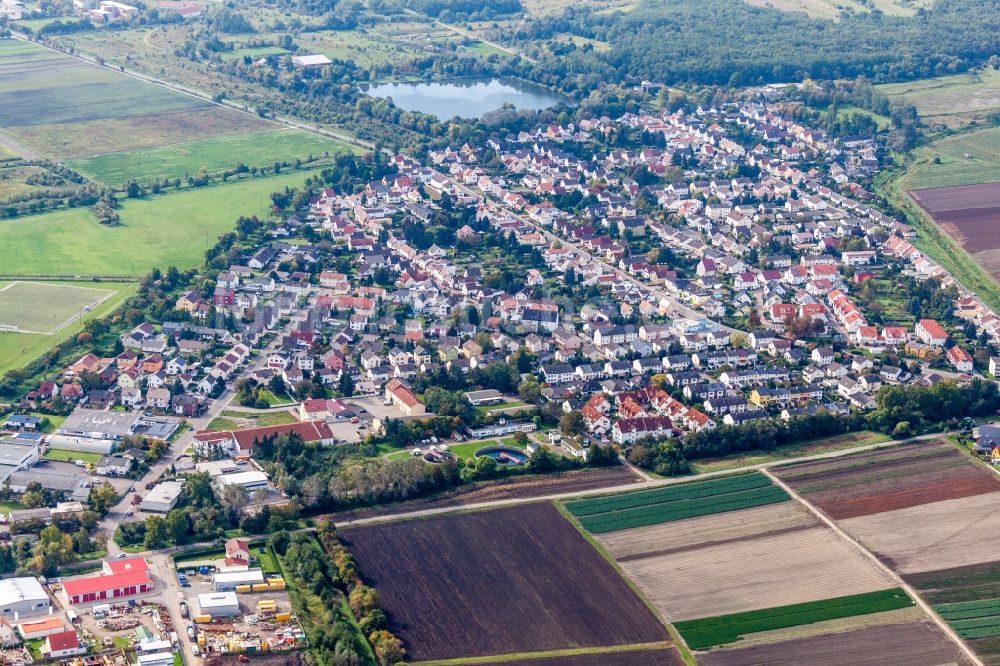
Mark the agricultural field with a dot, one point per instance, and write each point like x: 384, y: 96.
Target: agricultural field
x: 960, y: 594
x: 172, y: 229
x: 42, y: 307
x: 712, y: 631
x: 519, y: 580
x: 919, y: 642
x: 57, y: 106
x: 889, y: 479
x: 688, y: 500
x: 774, y: 563
x: 831, y: 9
x: 209, y: 155
x: 665, y: 656
x: 968, y: 214
x: 19, y: 349
x: 968, y: 158
x: 950, y: 100
x: 799, y: 449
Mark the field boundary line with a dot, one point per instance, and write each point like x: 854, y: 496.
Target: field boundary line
x: 546, y: 654
x: 944, y: 626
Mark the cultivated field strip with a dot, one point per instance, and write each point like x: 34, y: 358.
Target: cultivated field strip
x: 789, y: 568
x: 890, y: 645
x: 870, y: 483
x: 711, y: 631
x: 933, y: 536
x: 706, y: 530
x: 506, y: 581
x: 629, y: 510
x: 955, y: 585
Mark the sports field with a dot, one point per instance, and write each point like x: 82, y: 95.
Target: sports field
x: 41, y: 307
x: 58, y: 106
x: 172, y: 229
x: 19, y: 349
x: 211, y: 155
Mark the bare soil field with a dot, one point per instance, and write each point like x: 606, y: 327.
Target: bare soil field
x: 969, y: 214
x: 766, y: 572
x: 511, y: 488
x: 950, y: 533
x: 887, y: 480
x: 662, y: 657
x: 890, y: 645
x: 499, y: 582
x: 705, y: 531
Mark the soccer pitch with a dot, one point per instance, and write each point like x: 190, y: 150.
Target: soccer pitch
x: 39, y: 307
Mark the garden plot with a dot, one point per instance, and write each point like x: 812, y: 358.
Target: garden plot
x: 933, y: 536
x: 886, y: 480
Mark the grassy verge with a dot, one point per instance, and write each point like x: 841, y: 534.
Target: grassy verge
x: 808, y: 448
x: 723, y: 629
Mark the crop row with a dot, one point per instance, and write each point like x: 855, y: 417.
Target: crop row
x: 681, y: 509
x: 968, y: 609
x: 684, y: 491
x: 723, y: 629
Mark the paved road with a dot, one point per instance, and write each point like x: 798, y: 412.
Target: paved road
x: 118, y: 513
x: 170, y: 591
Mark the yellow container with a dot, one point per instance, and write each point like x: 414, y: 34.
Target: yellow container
x: 242, y: 589
x: 201, y: 640
x: 271, y: 605
x: 202, y: 619
x: 261, y: 587
x: 283, y: 617
x: 264, y: 646
x: 276, y: 584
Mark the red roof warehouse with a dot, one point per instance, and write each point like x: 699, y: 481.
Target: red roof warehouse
x: 119, y: 579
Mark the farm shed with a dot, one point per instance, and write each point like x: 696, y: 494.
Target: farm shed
x: 226, y: 581
x: 219, y: 604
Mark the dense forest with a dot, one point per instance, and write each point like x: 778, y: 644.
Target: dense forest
x: 723, y: 41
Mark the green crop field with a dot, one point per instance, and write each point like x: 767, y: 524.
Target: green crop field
x: 972, y: 619
x: 43, y: 307
x: 19, y: 349
x: 172, y: 229
x: 59, y: 107
x: 723, y: 629
x: 211, y: 155
x: 689, y: 500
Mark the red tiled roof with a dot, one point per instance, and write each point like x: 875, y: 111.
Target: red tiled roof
x: 127, y: 565
x: 106, y: 582
x: 64, y: 640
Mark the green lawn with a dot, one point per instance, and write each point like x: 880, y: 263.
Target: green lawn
x: 7, y: 507
x: 266, y: 558
x: 708, y: 632
x: 72, y: 456
x: 211, y: 155
x: 880, y: 120
x: 226, y: 422
x: 953, y: 168
x: 19, y: 349
x: 275, y: 400
x: 172, y: 229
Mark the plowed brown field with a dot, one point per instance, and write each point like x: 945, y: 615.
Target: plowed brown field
x: 969, y: 214
x: 888, y: 480
x: 892, y: 645
x: 497, y: 582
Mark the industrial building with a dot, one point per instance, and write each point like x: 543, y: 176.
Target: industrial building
x: 119, y: 580
x: 21, y: 597
x: 226, y: 581
x: 249, y: 481
x: 163, y: 497
x: 219, y: 604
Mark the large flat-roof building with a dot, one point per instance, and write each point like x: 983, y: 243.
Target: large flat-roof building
x: 226, y: 581
x: 99, y: 424
x: 163, y: 497
x: 249, y: 481
x: 219, y: 604
x: 22, y: 597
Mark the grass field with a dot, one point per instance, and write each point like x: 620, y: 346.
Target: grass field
x: 808, y: 448
x: 953, y: 167
x: 211, y: 155
x: 58, y: 107
x: 42, y: 307
x: 708, y: 632
x: 19, y: 349
x: 226, y: 420
x: 951, y: 100
x: 72, y: 456
x: 256, y: 52
x: 168, y: 230
x: 689, y: 500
